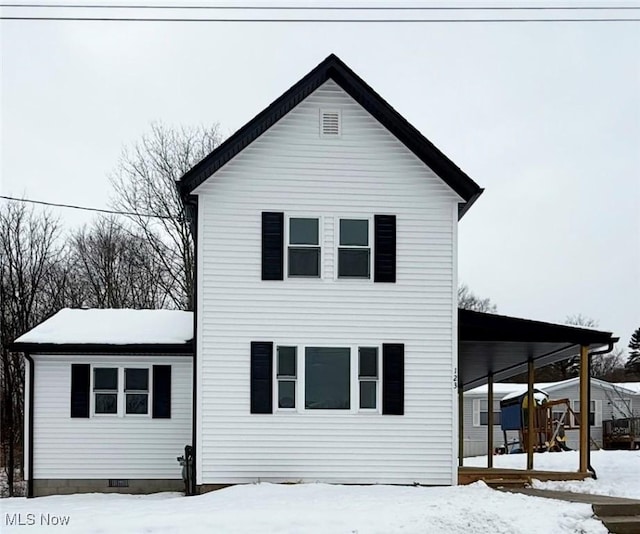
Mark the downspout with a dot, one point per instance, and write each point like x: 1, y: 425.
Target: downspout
x: 31, y: 393
x: 192, y: 202
x: 593, y: 353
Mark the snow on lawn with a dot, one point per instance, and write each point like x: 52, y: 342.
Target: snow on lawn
x: 618, y: 471
x: 307, y: 508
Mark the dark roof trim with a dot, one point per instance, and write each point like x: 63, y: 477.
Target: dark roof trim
x: 103, y: 348
x: 333, y: 68
x: 479, y: 326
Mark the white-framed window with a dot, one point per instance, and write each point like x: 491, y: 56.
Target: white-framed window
x: 120, y: 391
x: 481, y: 412
x: 368, y: 377
x: 286, y: 375
x: 303, y: 247
x: 621, y: 408
x: 354, y: 248
x: 327, y: 379
x: 595, y: 413
x: 105, y: 390
x: 338, y: 378
x: 136, y: 391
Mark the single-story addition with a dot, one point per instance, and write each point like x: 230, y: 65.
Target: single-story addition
x: 326, y: 344
x: 107, y: 400
x: 608, y: 401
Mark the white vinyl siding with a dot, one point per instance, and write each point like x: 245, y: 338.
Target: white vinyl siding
x: 103, y: 447
x: 366, y: 171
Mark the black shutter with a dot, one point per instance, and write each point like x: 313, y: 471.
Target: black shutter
x: 384, y: 264
x: 162, y: 392
x: 393, y: 379
x: 261, y: 377
x: 272, y: 246
x: 80, y: 390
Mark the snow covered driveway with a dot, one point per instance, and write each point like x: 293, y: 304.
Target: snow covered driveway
x: 305, y: 508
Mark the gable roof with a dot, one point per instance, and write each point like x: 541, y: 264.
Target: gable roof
x: 333, y: 68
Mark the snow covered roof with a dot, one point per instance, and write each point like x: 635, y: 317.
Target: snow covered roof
x: 630, y: 386
x: 506, y: 390
x: 112, y: 327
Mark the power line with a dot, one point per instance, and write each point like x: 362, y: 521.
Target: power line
x: 321, y: 8
x: 85, y: 208
x: 312, y: 20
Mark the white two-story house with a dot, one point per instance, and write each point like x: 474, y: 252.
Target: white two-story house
x: 326, y: 311
x: 325, y: 344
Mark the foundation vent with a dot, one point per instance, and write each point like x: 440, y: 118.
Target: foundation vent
x: 117, y: 483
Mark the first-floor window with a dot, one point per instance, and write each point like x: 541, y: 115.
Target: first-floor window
x: 136, y: 389
x: 593, y: 408
x: 481, y: 412
x: 286, y: 371
x: 368, y: 377
x: 327, y: 376
x: 105, y: 390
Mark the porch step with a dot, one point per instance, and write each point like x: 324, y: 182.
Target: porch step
x: 506, y: 482
x: 616, y: 509
x: 622, y: 524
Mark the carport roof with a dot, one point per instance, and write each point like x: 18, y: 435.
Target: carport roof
x: 502, y: 345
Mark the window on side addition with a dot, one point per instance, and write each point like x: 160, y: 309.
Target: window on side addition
x: 286, y: 372
x: 304, y: 248
x: 354, y: 252
x: 105, y: 390
x: 368, y: 377
x: 136, y: 387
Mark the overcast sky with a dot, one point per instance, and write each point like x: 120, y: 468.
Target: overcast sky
x: 545, y: 117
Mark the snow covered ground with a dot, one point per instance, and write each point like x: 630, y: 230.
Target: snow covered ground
x: 618, y: 471
x: 304, y: 508
x: 322, y: 508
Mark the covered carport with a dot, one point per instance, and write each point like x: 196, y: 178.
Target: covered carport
x: 497, y: 347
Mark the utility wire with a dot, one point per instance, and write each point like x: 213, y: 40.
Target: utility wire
x: 312, y: 20
x: 85, y: 208
x: 323, y: 8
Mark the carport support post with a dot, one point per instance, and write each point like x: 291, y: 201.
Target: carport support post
x: 584, y: 409
x: 490, y: 422
x: 531, y: 406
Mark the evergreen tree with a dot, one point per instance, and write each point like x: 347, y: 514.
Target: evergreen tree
x: 633, y: 363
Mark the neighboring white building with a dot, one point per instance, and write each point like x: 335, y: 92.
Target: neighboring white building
x: 608, y: 401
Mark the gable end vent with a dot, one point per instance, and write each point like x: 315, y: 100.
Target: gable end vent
x: 330, y: 123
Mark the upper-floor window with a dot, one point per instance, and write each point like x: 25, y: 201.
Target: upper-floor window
x: 354, y: 251
x: 304, y: 247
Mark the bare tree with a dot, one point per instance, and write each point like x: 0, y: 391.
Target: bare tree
x: 29, y: 253
x: 570, y: 367
x: 467, y: 300
x: 114, y: 268
x: 610, y: 366
x: 145, y: 184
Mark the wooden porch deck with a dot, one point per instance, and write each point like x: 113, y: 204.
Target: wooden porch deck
x: 518, y: 477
